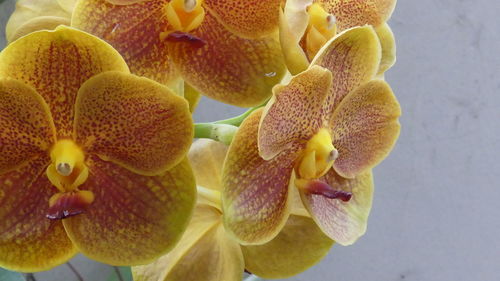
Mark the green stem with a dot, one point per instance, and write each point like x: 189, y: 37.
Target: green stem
x: 236, y: 121
x: 218, y: 132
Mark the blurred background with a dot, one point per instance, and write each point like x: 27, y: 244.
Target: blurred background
x: 436, y: 211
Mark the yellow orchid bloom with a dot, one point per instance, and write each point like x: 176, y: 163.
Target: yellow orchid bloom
x: 35, y: 15
x: 322, y: 134
x: 92, y: 158
x: 207, y: 253
x: 306, y: 26
x: 228, y: 50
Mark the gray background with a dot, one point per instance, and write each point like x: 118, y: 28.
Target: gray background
x: 436, y: 210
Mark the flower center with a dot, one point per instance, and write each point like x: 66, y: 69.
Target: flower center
x: 322, y: 27
x: 66, y: 172
x: 185, y: 15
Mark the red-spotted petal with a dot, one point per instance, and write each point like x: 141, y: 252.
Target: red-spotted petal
x: 255, y: 196
x: 29, y: 241
x: 135, y: 30
x: 56, y: 64
x: 246, y: 18
x: 134, y: 219
x: 228, y: 68
x: 27, y: 130
x: 365, y: 127
x: 133, y: 121
x: 342, y: 221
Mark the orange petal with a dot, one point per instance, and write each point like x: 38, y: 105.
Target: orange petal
x: 365, y: 127
x: 134, y: 219
x: 56, y: 64
x: 27, y: 130
x: 353, y: 57
x: 300, y: 245
x: 351, y: 13
x: 30, y: 242
x: 296, y: 112
x: 207, y: 157
x: 388, y: 44
x: 204, y: 253
x: 134, y: 30
x: 124, y: 2
x: 343, y: 222
x: 246, y: 18
x: 255, y: 198
x: 133, y: 121
x: 227, y: 68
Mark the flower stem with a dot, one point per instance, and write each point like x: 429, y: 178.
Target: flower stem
x: 29, y: 277
x: 118, y: 273
x: 218, y: 132
x: 236, y: 121
x: 73, y: 269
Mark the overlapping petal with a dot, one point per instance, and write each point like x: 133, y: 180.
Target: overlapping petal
x: 205, y: 253
x: 228, y: 68
x: 134, y: 219
x: 351, y: 13
x: 192, y: 96
x: 28, y: 241
x: 134, y: 30
x: 132, y: 121
x: 207, y: 158
x: 365, y: 127
x: 292, y: 26
x: 255, y: 197
x: 56, y: 64
x: 295, y: 113
x: 247, y: 19
x: 388, y: 44
x: 343, y: 222
x: 301, y: 244
x: 353, y: 57
x: 26, y: 125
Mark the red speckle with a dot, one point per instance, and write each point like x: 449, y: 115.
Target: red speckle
x: 178, y: 36
x: 321, y: 188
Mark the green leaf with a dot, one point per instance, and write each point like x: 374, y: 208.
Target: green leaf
x: 125, y: 272
x: 6, y: 275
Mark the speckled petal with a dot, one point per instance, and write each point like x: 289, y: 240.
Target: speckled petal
x: 124, y: 2
x: 300, y: 245
x: 353, y: 57
x: 207, y: 157
x: 388, y: 43
x: 30, y: 242
x: 246, y: 18
x: 343, y: 222
x: 296, y: 112
x: 205, y: 253
x: 365, y: 127
x: 27, y: 130
x: 227, y: 68
x: 133, y: 121
x: 134, y: 219
x: 134, y: 30
x: 351, y: 13
x: 56, y: 64
x: 255, y: 196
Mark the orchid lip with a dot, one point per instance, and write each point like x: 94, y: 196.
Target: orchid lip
x: 321, y: 188
x: 179, y: 36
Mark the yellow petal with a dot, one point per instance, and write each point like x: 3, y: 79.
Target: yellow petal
x: 353, y: 57
x: 134, y: 30
x: 247, y: 19
x: 27, y: 130
x: 133, y: 121
x: 351, y: 13
x: 30, y: 242
x: 343, y: 222
x: 134, y: 219
x: 300, y: 245
x: 67, y: 5
x: 204, y: 253
x: 388, y: 44
x: 255, y: 196
x: 228, y: 68
x: 35, y: 15
x: 296, y: 112
x: 295, y: 58
x: 56, y: 64
x: 365, y: 127
x: 192, y: 96
x: 207, y: 157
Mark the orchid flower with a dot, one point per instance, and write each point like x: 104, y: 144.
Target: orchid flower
x: 321, y: 134
x: 306, y: 25
x: 206, y: 252
x: 227, y: 50
x: 35, y: 15
x: 92, y: 158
